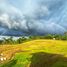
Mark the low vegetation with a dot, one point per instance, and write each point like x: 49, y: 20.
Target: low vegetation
x: 36, y: 53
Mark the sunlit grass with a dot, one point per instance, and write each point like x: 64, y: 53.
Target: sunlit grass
x: 23, y: 59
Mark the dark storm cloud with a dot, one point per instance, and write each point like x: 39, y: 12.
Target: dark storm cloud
x: 33, y: 17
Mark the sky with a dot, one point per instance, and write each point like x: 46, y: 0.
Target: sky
x: 33, y: 17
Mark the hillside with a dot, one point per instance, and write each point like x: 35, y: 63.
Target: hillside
x: 36, y: 53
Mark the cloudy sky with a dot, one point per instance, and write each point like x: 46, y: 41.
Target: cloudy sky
x: 31, y: 17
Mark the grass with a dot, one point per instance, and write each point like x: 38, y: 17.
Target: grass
x: 36, y: 53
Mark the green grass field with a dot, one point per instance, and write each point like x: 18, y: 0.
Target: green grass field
x: 36, y: 53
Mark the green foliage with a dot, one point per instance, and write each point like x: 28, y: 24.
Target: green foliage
x: 28, y: 38
x: 8, y: 41
x: 49, y: 36
x: 21, y: 40
x: 64, y: 37
x: 57, y: 37
x: 9, y: 64
x: 37, y: 59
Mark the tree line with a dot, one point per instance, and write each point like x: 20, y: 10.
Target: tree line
x: 28, y: 38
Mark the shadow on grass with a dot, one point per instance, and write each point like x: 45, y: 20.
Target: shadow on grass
x: 10, y: 64
x: 42, y: 59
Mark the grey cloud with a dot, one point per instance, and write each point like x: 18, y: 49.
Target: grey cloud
x: 13, y: 20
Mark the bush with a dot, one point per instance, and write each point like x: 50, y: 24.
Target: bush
x: 49, y: 36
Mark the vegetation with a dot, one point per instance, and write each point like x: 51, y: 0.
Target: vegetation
x: 28, y: 38
x: 36, y: 53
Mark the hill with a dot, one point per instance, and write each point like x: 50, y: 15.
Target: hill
x: 35, y: 53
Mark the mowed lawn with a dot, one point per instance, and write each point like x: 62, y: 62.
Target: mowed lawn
x: 35, y: 53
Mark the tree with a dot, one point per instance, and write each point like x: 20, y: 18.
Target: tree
x: 57, y: 36
x: 49, y: 36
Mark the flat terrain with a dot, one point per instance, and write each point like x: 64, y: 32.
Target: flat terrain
x: 35, y: 53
